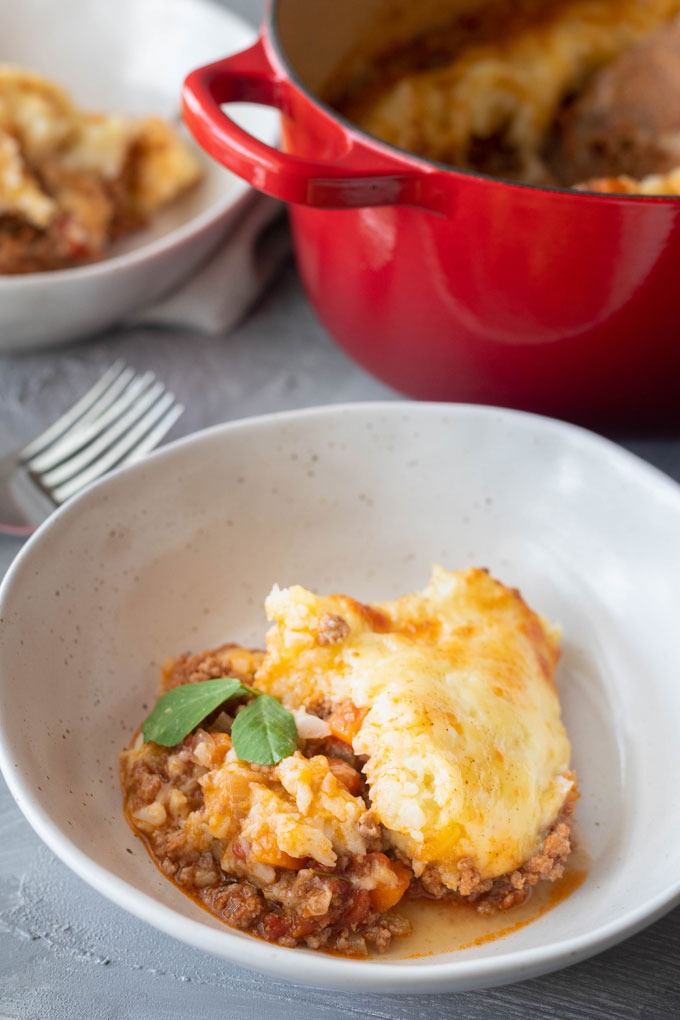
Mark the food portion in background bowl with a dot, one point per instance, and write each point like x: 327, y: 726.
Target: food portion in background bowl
x: 416, y: 753
x: 73, y: 182
x: 577, y: 93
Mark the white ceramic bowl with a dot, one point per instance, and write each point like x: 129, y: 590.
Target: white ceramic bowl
x: 178, y: 552
x: 128, y: 56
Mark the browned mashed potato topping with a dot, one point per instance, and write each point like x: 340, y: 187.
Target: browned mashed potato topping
x: 72, y: 183
x: 431, y: 763
x: 577, y: 93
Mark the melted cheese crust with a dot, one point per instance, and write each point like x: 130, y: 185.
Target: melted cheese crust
x: 460, y: 719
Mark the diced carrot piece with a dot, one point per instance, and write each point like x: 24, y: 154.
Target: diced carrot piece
x: 385, y: 896
x: 346, y: 721
x: 345, y: 774
x: 266, y: 851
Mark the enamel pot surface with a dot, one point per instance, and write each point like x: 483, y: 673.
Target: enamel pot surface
x: 449, y: 285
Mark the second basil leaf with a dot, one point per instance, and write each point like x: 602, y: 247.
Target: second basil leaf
x: 264, y: 732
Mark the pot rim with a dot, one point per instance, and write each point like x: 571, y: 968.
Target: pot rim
x: 275, y: 44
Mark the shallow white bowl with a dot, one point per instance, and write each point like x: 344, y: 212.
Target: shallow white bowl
x: 129, y: 56
x: 178, y: 552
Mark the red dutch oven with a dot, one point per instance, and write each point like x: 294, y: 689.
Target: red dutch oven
x: 445, y: 284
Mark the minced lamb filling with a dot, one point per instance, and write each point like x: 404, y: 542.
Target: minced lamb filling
x: 292, y: 853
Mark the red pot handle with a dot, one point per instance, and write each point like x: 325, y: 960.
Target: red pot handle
x: 359, y: 177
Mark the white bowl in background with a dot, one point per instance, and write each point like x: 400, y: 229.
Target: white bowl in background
x: 178, y: 552
x: 130, y: 56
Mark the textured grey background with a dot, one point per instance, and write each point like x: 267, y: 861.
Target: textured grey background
x: 65, y: 952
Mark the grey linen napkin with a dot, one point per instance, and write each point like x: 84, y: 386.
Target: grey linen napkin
x: 221, y: 292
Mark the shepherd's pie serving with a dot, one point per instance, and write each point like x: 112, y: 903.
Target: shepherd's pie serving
x: 72, y: 182
x: 412, y: 748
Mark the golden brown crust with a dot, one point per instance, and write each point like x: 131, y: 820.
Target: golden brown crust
x: 572, y: 92
x: 655, y: 184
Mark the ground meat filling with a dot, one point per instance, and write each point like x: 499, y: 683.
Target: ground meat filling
x: 509, y: 890
x: 345, y: 907
x: 95, y: 213
x: 322, y: 909
x: 227, y: 660
x: 319, y: 911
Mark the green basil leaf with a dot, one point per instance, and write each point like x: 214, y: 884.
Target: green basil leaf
x: 180, y: 710
x: 264, y: 732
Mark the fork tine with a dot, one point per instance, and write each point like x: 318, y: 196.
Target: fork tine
x: 103, y: 437
x: 153, y: 438
x: 115, y: 454
x: 75, y: 413
x: 113, y: 403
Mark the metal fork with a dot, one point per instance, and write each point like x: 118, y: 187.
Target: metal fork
x: 120, y: 419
